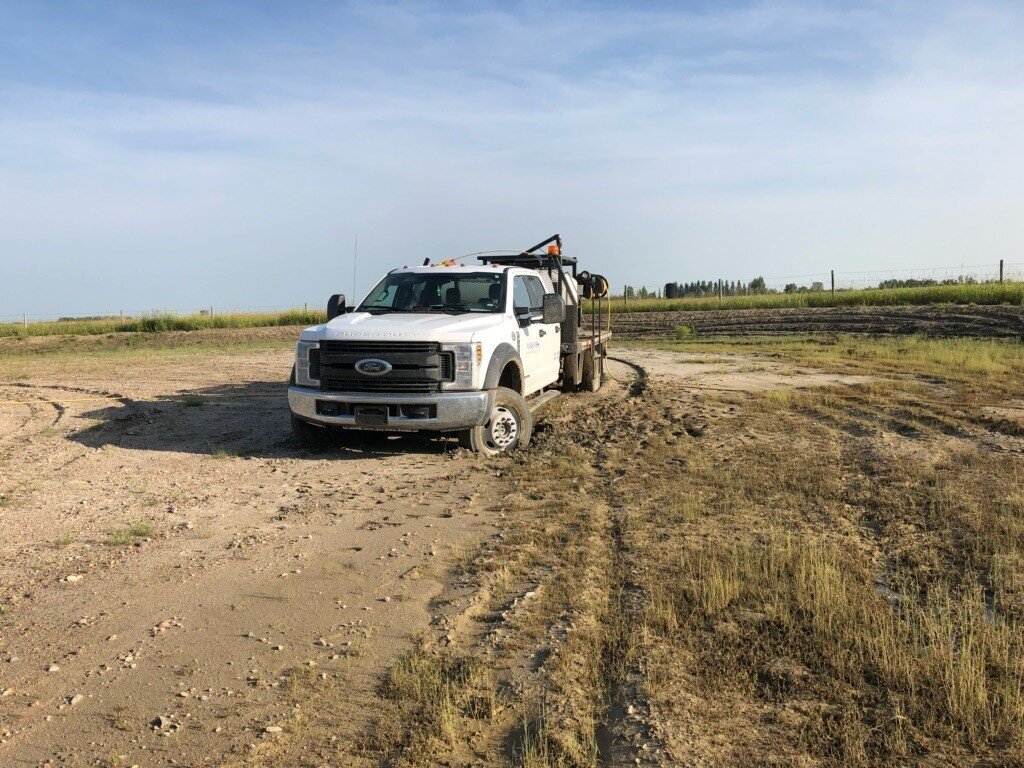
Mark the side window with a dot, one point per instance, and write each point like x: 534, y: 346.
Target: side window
x: 520, y: 294
x: 536, y: 289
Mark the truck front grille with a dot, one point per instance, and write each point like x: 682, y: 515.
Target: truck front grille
x: 417, y: 367
x: 382, y: 386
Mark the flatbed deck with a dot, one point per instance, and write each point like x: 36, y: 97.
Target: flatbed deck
x: 590, y: 340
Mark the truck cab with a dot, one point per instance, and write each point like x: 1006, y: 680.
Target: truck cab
x: 467, y: 349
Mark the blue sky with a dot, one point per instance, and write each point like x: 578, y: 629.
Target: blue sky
x: 227, y: 153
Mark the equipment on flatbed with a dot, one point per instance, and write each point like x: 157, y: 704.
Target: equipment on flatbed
x: 582, y: 341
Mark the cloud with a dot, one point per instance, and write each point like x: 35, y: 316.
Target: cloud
x: 234, y: 165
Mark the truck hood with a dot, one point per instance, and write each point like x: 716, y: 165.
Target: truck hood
x: 431, y: 326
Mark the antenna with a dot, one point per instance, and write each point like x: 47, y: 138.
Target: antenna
x: 355, y: 264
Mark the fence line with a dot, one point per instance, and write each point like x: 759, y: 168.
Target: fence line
x: 1009, y: 271
x: 858, y: 279
x: 134, y: 314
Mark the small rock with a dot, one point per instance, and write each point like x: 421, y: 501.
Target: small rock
x: 73, y: 577
x: 76, y: 699
x: 273, y: 729
x: 53, y: 668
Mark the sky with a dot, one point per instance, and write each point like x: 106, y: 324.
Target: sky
x: 184, y: 155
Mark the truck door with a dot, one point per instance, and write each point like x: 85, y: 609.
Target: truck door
x: 539, y: 342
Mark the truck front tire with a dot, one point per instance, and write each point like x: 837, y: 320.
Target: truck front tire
x: 509, y: 426
x: 309, y: 435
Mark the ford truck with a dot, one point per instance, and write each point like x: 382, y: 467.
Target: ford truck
x: 468, y: 349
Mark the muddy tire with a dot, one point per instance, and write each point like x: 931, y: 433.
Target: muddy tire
x: 593, y: 371
x: 508, y: 428
x: 310, y: 435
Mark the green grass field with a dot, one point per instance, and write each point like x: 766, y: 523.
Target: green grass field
x: 162, y: 323
x: 1011, y: 293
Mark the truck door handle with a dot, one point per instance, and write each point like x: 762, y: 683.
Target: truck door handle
x: 542, y: 332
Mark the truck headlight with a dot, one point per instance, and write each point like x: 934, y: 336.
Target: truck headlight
x: 468, y: 358
x: 307, y: 364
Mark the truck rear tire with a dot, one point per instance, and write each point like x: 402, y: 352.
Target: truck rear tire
x: 509, y: 427
x: 593, y: 370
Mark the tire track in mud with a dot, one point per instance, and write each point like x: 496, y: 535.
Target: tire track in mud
x: 637, y: 385
x: 559, y: 636
x: 33, y: 404
x: 935, y: 320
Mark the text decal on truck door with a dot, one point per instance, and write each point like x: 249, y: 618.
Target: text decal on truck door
x: 373, y: 367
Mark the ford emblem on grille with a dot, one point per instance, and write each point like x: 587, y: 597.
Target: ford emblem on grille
x: 373, y: 367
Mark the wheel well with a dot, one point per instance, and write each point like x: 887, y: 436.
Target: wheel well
x: 511, y: 377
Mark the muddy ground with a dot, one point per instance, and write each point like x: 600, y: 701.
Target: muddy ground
x: 182, y: 585
x: 974, y: 320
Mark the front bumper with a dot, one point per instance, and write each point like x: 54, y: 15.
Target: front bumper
x: 451, y: 410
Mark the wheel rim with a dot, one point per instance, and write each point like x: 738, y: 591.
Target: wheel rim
x: 503, y: 429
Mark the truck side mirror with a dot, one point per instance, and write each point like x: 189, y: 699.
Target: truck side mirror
x: 335, y: 306
x: 554, y: 309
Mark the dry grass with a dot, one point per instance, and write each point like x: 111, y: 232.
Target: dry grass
x: 817, y: 577
x: 433, y: 696
x: 980, y: 366
x: 942, y: 666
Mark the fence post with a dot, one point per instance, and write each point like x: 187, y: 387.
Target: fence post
x: 625, y: 290
x: 305, y: 306
x: 122, y: 315
x: 211, y: 312
x: 1000, y: 271
x: 719, y: 290
x: 833, y: 282
x: 24, y: 321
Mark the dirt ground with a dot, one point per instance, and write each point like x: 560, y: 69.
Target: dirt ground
x: 182, y: 585
x: 937, y: 320
x: 181, y: 559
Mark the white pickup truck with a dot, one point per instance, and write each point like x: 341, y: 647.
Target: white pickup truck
x: 472, y: 350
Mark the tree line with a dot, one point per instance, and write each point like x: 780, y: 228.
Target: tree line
x: 698, y: 288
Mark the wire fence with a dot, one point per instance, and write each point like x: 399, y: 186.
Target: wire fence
x: 829, y: 280
x: 135, y: 314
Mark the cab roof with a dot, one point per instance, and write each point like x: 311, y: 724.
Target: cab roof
x: 457, y: 268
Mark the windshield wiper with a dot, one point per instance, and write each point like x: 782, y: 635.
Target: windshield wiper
x: 450, y: 308
x: 383, y: 309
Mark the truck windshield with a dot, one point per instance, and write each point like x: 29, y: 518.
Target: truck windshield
x: 441, y: 291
